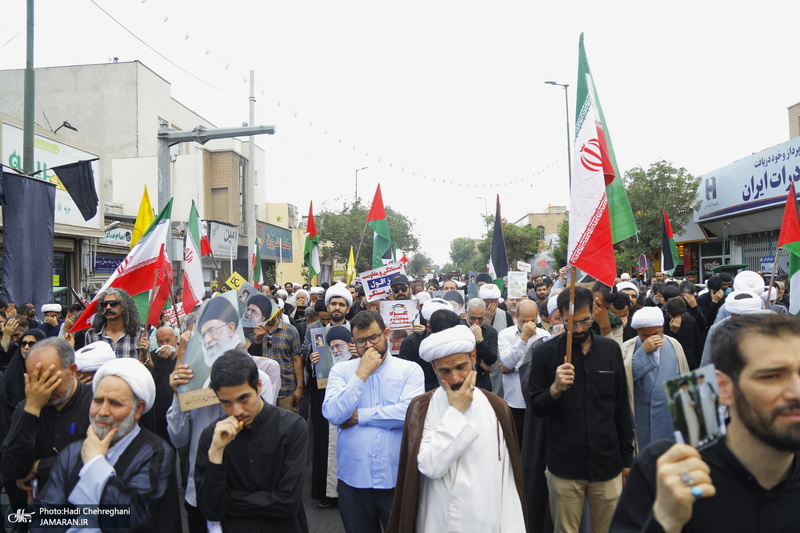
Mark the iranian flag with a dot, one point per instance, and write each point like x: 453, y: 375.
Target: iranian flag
x: 669, y: 251
x: 258, y: 275
x: 381, y: 241
x: 146, y: 266
x: 789, y: 240
x: 591, y: 241
x: 311, y: 252
x: 619, y: 209
x: 193, y: 286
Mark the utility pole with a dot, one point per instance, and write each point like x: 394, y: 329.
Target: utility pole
x: 250, y: 213
x: 29, y: 99
x: 168, y: 137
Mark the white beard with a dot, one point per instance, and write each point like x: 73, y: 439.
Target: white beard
x: 223, y: 345
x: 124, y: 427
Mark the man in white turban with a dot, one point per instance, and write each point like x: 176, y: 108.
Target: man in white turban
x: 739, y: 302
x: 119, y: 464
x: 651, y: 358
x: 460, y: 467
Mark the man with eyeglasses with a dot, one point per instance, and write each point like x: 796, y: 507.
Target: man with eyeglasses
x: 117, y: 323
x: 367, y: 398
x: 589, y: 442
x: 485, y: 341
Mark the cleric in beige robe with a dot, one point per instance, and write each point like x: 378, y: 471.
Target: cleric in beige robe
x: 460, y: 469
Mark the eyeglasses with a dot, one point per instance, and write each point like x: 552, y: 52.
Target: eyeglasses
x: 27, y: 343
x: 372, y: 339
x: 111, y: 303
x: 212, y: 332
x: 583, y: 323
x: 476, y: 318
x: 400, y: 288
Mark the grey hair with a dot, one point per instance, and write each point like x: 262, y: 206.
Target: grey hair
x: 476, y: 302
x: 129, y: 312
x: 66, y: 353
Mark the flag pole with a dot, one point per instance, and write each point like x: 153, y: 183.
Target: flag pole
x: 570, y: 318
x: 358, y: 253
x: 773, y: 275
x: 175, y: 308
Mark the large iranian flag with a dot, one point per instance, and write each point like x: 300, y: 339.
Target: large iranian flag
x: 789, y: 240
x: 591, y: 240
x: 382, y: 241
x: 623, y: 224
x: 193, y: 286
x: 311, y: 252
x: 146, y: 266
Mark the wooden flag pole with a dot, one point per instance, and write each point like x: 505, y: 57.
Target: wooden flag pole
x: 358, y: 253
x: 773, y: 275
x: 570, y: 319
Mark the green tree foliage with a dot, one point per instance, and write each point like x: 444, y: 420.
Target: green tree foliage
x: 522, y: 243
x: 559, y: 251
x: 661, y: 186
x: 417, y: 264
x: 342, y: 228
x: 462, y: 252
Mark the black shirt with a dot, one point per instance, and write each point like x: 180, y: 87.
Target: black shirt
x: 486, y: 350
x: 409, y: 350
x: 43, y: 437
x: 741, y: 504
x: 590, y: 427
x: 259, y: 485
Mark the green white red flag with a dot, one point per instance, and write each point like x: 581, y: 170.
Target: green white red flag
x: 382, y: 241
x: 311, y: 251
x: 146, y: 266
x: 591, y: 238
x: 789, y: 240
x: 193, y: 286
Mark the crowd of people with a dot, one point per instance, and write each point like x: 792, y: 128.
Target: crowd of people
x: 481, y: 421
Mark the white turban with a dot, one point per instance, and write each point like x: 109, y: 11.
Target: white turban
x: 317, y: 290
x: 281, y: 293
x: 51, y: 308
x: 338, y: 291
x: 302, y: 291
x: 433, y: 305
x: 648, y: 317
x: 749, y: 281
x: 422, y: 297
x: 769, y: 294
x: 627, y: 285
x: 743, y: 302
x: 296, y: 285
x: 458, y: 339
x: 552, y: 305
x: 280, y: 304
x: 489, y: 291
x: 93, y: 356
x: 134, y: 373
x: 625, y: 276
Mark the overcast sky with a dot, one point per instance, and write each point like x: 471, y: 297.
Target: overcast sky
x: 445, y: 101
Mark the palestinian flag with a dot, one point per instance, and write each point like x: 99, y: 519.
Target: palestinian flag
x: 669, y: 251
x: 588, y: 104
x: 498, y: 259
x: 311, y: 253
x: 193, y: 286
x: 146, y: 266
x: 789, y: 240
x: 382, y: 241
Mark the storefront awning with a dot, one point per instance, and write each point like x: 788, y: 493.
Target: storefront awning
x: 693, y: 232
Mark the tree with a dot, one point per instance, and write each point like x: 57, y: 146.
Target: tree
x: 559, y: 251
x: 661, y: 186
x: 338, y: 230
x: 417, y: 265
x: 462, y: 251
x: 522, y: 243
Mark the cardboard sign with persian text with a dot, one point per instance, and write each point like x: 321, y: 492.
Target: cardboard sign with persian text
x: 378, y: 282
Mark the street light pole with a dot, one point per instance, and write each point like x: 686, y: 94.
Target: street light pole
x: 566, y: 108
x: 357, y: 171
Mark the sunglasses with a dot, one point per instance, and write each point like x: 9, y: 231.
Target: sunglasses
x: 27, y: 343
x: 400, y: 288
x: 109, y: 303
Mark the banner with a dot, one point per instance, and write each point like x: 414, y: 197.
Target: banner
x: 378, y: 282
x: 28, y: 226
x: 517, y: 284
x: 523, y: 267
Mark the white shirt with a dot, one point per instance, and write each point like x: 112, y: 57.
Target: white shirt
x: 467, y: 481
x: 511, y: 350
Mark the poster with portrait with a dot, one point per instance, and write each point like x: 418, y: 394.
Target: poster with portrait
x: 323, y: 367
x: 400, y: 316
x: 472, y: 285
x: 517, y: 285
x: 456, y: 299
x: 693, y: 401
x: 218, y: 329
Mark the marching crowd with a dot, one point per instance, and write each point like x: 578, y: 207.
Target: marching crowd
x: 481, y: 422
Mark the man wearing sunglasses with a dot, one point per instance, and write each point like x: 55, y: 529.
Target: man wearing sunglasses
x: 367, y: 398
x: 401, y: 289
x: 117, y: 323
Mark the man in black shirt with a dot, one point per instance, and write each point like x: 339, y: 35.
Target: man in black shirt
x: 250, y: 465
x: 589, y: 425
x: 749, y: 481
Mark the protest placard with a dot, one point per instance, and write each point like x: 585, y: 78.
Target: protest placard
x: 378, y: 282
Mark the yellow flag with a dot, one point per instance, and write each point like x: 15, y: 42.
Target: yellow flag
x: 144, y: 218
x: 351, y: 268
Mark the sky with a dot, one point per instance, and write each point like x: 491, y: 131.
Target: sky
x: 444, y: 102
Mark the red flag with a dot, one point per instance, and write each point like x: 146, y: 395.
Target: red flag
x: 205, y: 244
x: 161, y: 297
x: 790, y: 225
